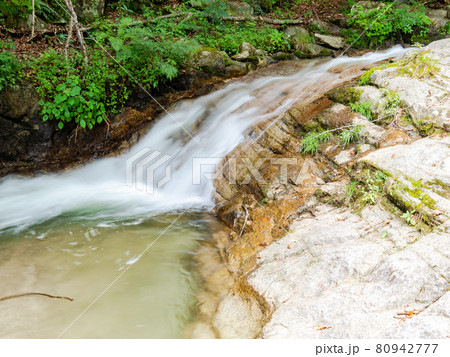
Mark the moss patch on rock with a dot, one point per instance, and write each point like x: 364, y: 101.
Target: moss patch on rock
x: 345, y: 95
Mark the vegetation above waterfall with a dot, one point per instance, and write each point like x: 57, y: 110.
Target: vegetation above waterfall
x: 86, y: 60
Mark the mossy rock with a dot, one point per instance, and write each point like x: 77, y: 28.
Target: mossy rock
x: 345, y: 95
x: 89, y: 10
x: 300, y: 54
x: 282, y: 56
x: 211, y: 62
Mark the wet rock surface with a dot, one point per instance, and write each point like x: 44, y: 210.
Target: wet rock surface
x: 354, y: 242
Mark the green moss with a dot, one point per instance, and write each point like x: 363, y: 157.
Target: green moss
x: 415, y: 183
x: 345, y: 96
x: 424, y: 198
x: 412, y: 199
x: 282, y: 56
x: 209, y: 49
x: 253, y: 59
x: 365, y: 78
x: 325, y: 52
x: 425, y: 126
x: 301, y: 54
x: 418, y: 66
x: 312, y: 126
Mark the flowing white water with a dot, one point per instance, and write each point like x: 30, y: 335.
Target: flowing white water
x: 56, y: 210
x: 218, y: 122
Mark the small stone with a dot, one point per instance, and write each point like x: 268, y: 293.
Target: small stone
x: 245, y: 46
x: 241, y: 56
x: 236, y: 70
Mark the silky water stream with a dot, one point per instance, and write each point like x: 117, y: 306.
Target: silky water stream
x: 125, y: 255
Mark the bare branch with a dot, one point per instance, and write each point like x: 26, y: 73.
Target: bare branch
x: 69, y: 37
x: 33, y: 17
x: 73, y: 17
x: 28, y: 294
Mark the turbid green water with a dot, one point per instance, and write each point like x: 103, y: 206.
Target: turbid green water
x: 154, y: 298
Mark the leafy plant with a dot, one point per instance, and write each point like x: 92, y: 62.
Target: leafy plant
x: 74, y: 93
x: 349, y: 136
x: 13, y: 9
x: 149, y: 54
x: 408, y: 216
x: 385, y: 22
x: 445, y: 30
x: 10, y: 68
x: 229, y: 36
x: 351, y: 190
x: 374, y: 187
x: 362, y: 108
x: 214, y: 9
x: 271, y: 5
x: 312, y: 140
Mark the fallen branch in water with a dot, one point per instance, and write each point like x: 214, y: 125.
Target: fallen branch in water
x: 28, y: 294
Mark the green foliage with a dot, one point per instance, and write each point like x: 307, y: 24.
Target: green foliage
x: 346, y: 8
x: 13, y: 9
x: 229, y: 36
x: 408, y: 216
x: 386, y: 22
x: 74, y: 93
x: 374, y: 187
x: 312, y: 140
x: 273, y: 5
x: 350, y: 136
x: 48, y: 10
x: 149, y: 54
x: 369, y: 189
x: 392, y: 98
x: 51, y: 11
x: 362, y: 108
x: 445, y: 30
x: 351, y: 190
x: 213, y: 9
x: 10, y: 68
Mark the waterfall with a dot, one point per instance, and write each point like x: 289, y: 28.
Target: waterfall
x: 207, y: 127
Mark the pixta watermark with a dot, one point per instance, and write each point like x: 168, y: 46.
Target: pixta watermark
x: 149, y: 170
